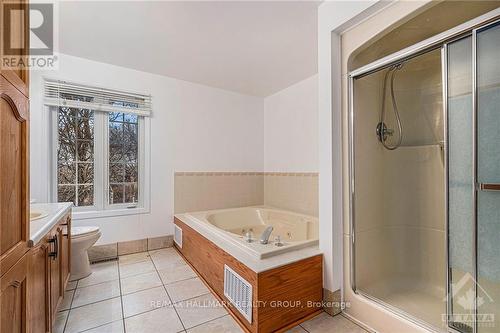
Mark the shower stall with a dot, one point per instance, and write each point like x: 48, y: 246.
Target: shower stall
x: 424, y: 139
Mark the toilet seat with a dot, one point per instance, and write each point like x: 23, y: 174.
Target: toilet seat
x: 77, y: 232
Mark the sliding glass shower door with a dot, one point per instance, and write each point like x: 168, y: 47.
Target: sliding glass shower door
x: 461, y: 189
x: 424, y: 132
x: 488, y: 176
x: 473, y: 79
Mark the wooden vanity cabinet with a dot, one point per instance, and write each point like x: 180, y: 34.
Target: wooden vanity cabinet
x: 14, y: 181
x: 14, y: 298
x: 49, y: 275
x: 40, y: 293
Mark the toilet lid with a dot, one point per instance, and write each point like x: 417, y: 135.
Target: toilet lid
x: 82, y: 231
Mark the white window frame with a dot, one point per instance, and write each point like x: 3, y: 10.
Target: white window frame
x: 101, y: 207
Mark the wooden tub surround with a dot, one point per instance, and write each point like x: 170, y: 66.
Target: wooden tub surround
x: 282, y: 297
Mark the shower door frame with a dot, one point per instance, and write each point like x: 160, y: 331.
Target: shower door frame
x: 439, y: 41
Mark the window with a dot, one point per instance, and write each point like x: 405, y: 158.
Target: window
x: 123, y: 168
x: 101, y: 159
x: 75, y: 156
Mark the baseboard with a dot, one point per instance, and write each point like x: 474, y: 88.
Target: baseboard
x: 332, y: 302
x: 111, y: 251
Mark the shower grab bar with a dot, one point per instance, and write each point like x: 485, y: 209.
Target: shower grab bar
x: 489, y: 187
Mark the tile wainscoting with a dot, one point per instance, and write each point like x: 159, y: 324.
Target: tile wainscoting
x: 294, y: 191
x: 196, y: 191
x: 297, y: 191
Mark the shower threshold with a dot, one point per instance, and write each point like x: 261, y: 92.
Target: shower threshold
x: 418, y: 306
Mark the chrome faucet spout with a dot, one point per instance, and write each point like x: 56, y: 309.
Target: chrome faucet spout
x: 264, y: 238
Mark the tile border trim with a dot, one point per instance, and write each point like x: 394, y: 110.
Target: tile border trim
x: 219, y: 173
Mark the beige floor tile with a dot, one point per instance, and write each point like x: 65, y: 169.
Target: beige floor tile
x: 134, y: 258
x: 66, y: 302
x: 140, y: 282
x: 137, y: 268
x: 114, y: 327
x: 162, y: 320
x: 163, y: 252
x: 225, y: 324
x: 101, y: 272
x: 94, y: 315
x: 144, y: 301
x: 186, y: 289
x: 71, y: 285
x: 199, y: 310
x: 96, y: 293
x: 325, y: 323
x: 60, y: 322
x: 296, y: 329
x: 165, y: 258
x: 177, y: 272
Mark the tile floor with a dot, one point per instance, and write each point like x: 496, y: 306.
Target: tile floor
x: 156, y: 291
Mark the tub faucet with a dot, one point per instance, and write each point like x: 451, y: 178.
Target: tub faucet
x: 264, y: 238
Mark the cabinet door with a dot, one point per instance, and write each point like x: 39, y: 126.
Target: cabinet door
x: 66, y: 251
x: 15, y: 23
x: 14, y: 187
x: 14, y: 290
x: 55, y: 270
x: 39, y: 289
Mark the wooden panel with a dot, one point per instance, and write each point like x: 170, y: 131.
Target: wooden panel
x: 14, y: 293
x: 39, y: 289
x: 56, y: 291
x: 65, y: 251
x: 199, y: 251
x: 15, y: 30
x: 289, y: 293
x: 14, y: 179
x: 285, y: 296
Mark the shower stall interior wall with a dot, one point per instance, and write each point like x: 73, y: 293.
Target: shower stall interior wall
x: 399, y: 206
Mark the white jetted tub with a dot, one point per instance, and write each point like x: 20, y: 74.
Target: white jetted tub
x: 232, y: 225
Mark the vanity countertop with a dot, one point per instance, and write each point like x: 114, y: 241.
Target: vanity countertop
x: 40, y: 227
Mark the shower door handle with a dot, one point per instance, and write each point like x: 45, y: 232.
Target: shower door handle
x: 489, y: 187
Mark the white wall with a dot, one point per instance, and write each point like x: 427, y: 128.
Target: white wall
x: 333, y: 17
x: 291, y: 128
x: 193, y: 128
x: 199, y: 128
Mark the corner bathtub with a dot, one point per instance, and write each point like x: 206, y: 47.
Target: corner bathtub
x: 295, y: 230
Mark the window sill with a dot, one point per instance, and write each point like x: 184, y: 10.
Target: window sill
x: 95, y: 214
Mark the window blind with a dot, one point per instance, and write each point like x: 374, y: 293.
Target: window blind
x: 67, y: 94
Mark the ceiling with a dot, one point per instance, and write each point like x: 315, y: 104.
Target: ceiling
x: 255, y: 48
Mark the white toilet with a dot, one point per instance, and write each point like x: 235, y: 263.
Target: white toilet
x: 82, y: 238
